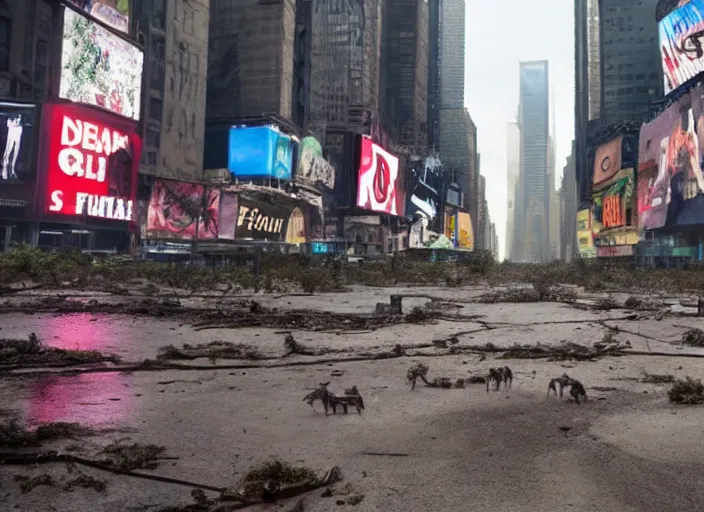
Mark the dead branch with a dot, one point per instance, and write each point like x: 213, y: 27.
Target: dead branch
x: 50, y: 457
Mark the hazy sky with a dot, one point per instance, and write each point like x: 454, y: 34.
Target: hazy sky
x: 499, y: 35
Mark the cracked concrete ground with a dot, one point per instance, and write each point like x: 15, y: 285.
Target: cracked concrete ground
x: 627, y: 449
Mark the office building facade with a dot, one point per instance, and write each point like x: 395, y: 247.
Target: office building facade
x: 534, y: 119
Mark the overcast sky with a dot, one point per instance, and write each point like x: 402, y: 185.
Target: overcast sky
x: 499, y: 35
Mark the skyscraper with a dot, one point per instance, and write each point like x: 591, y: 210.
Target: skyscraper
x: 404, y: 72
x: 452, y: 21
x: 534, y: 119
x: 631, y: 73
x: 513, y: 172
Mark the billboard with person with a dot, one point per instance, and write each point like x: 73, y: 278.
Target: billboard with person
x: 671, y: 157
x: 681, y: 34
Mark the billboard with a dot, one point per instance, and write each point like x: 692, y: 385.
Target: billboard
x: 114, y: 13
x: 258, y: 219
x: 17, y: 133
x: 585, y: 236
x: 681, y: 34
x: 466, y: 234
x: 177, y: 210
x: 671, y: 155
x: 378, y: 185
x: 259, y: 152
x: 425, y: 188
x: 312, y: 168
x: 99, y: 68
x: 91, y: 159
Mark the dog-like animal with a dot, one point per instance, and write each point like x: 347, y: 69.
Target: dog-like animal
x: 331, y: 401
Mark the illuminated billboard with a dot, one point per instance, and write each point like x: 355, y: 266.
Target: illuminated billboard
x: 184, y: 211
x: 466, y: 234
x: 378, y: 185
x: 17, y: 132
x: 114, y: 13
x: 99, y: 68
x: 312, y: 168
x: 426, y: 184
x: 681, y: 35
x: 585, y: 236
x: 614, y: 215
x: 91, y: 160
x: 259, y: 152
x: 671, y: 157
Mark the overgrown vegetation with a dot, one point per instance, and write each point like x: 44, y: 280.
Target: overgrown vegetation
x: 693, y: 338
x: 213, y: 351
x: 687, y: 392
x: 129, y: 457
x: 27, y: 484
x: 32, y: 352
x: 14, y: 435
x: 25, y: 266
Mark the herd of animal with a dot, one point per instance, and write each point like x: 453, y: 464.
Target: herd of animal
x: 495, y: 378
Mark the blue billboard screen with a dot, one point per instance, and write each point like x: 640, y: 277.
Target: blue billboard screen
x: 259, y: 152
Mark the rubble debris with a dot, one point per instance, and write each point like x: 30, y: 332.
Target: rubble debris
x: 332, y: 400
x: 420, y: 315
x: 687, y: 392
x: 12, y: 434
x: 459, y: 383
x: 476, y: 379
x: 693, y: 338
x: 513, y: 294
x: 650, y: 378
x: 27, y: 484
x: 128, y: 457
x: 32, y: 352
x: 293, y: 347
x: 85, y: 482
x: 606, y: 303
x: 213, y: 351
x: 252, y: 485
x: 420, y: 371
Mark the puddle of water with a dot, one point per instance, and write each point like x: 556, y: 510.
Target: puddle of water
x: 133, y: 339
x: 96, y: 400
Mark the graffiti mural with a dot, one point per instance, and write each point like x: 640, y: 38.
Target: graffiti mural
x: 181, y: 210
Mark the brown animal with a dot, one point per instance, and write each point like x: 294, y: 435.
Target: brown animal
x: 494, y: 379
x: 331, y: 400
x: 508, y: 376
x: 577, y: 390
x: 559, y: 383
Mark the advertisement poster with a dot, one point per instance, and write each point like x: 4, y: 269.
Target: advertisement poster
x: 177, y: 210
x: 312, y: 168
x: 296, y: 230
x: 466, y: 234
x: 114, y: 13
x: 99, y: 68
x: 681, y: 35
x: 425, y: 191
x: 260, y: 152
x: 607, y: 161
x: 228, y: 216
x: 451, y: 225
x: 378, y: 180
x: 671, y: 157
x: 585, y: 236
x: 91, y: 160
x: 16, y: 141
x: 262, y: 220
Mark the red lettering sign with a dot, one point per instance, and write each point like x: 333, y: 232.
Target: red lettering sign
x: 612, y: 215
x: 91, y: 159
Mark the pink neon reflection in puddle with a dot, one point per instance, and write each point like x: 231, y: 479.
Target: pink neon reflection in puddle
x: 93, y: 399
x: 97, y: 400
x: 82, y: 331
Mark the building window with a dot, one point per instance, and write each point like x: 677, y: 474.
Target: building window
x: 5, y: 37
